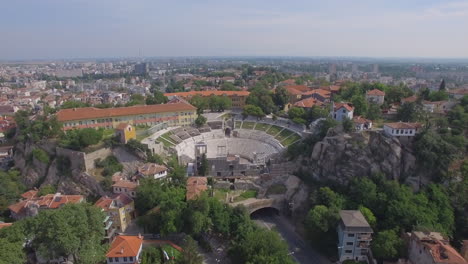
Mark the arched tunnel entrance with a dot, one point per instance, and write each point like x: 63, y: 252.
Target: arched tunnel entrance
x: 265, y: 217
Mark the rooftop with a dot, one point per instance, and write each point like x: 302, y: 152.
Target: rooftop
x: 403, y: 125
x: 209, y: 93
x: 125, y: 246
x: 92, y: 112
x: 354, y: 220
x: 376, y: 92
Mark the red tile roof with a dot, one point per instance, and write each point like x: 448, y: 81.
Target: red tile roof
x: 361, y: 120
x: 150, y: 169
x: 92, y: 112
x: 126, y: 184
x: 403, y: 125
x: 345, y: 105
x: 51, y: 201
x: 2, y: 225
x: 297, y: 89
x: 125, y: 246
x: 106, y: 202
x: 308, y: 103
x: 122, y: 126
x: 195, y: 186
x: 29, y: 194
x: 376, y: 92
x: 209, y: 93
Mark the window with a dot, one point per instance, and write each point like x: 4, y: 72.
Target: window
x: 111, y: 260
x: 349, y: 243
x: 350, y: 235
x: 344, y: 111
x: 348, y: 251
x: 130, y: 258
x: 116, y: 259
x: 125, y: 259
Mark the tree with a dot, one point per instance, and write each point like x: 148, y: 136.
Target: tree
x: 157, y: 98
x: 219, y: 103
x: 151, y: 255
x: 281, y: 97
x: 360, y: 104
x: 200, y: 121
x: 296, y: 112
x: 387, y: 245
x: 229, y: 87
x: 203, y: 169
x: 190, y: 254
x: 47, y: 189
x: 319, y: 218
x: 442, y: 85
x: 409, y: 112
x: 136, y: 99
x: 367, y: 213
x: 253, y: 110
x: 348, y: 125
x: 74, y: 104
x: 12, y: 239
x: 200, y: 103
x: 75, y: 229
x: 373, y: 112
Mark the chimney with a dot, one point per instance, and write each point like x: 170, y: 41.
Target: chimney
x: 464, y: 250
x: 122, y: 250
x: 140, y: 236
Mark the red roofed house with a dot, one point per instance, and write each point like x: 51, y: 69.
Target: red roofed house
x: 360, y: 123
x: 31, y: 206
x: 120, y: 208
x: 126, y: 187
x: 458, y: 93
x: 342, y: 111
x: 296, y: 92
x: 152, y: 170
x: 308, y: 103
x: 402, y: 129
x: 432, y: 248
x: 3, y: 225
x: 195, y: 186
x: 125, y: 250
x: 375, y: 96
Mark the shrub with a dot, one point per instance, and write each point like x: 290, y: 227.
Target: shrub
x: 41, y: 155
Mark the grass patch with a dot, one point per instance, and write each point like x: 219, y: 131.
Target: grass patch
x: 172, y: 252
x: 108, y: 133
x: 41, y: 155
x: 248, y: 125
x: 262, y: 127
x: 290, y: 140
x: 237, y: 124
x: 220, y: 194
x: 284, y: 134
x: 276, y: 189
x: 273, y: 130
x: 165, y: 142
x: 246, y: 195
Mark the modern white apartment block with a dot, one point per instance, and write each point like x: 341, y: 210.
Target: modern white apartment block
x: 354, y: 236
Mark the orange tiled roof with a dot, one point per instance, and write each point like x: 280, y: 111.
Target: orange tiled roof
x: 361, y: 120
x: 106, y: 202
x: 308, y: 103
x: 300, y: 88
x: 126, y: 184
x: 122, y: 126
x: 151, y: 169
x: 403, y: 125
x: 345, y: 105
x: 410, y: 99
x: 51, y: 201
x: 92, y: 112
x: 125, y: 246
x: 458, y: 91
x: 195, y: 186
x: 209, y: 93
x: 29, y: 194
x: 376, y: 92
x: 2, y: 225
x: 321, y: 92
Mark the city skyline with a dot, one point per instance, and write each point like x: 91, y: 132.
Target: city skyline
x: 53, y: 29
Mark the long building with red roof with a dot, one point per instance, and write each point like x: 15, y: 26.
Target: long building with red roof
x: 237, y: 98
x: 178, y: 113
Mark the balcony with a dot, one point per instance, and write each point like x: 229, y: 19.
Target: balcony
x: 364, y: 238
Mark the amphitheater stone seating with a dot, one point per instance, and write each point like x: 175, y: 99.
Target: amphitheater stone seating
x: 193, y: 132
x: 204, y: 129
x: 215, y: 124
x: 176, y: 139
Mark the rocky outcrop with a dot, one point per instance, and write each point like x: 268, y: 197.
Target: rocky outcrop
x: 340, y: 156
x: 36, y: 173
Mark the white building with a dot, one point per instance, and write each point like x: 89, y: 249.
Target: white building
x: 342, y: 111
x: 375, y: 96
x: 360, y: 123
x: 432, y: 248
x: 152, y: 170
x: 125, y: 250
x: 126, y: 187
x: 402, y: 129
x: 354, y: 236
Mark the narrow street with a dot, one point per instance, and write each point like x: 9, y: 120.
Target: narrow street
x: 299, y: 249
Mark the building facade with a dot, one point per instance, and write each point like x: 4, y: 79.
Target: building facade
x: 402, y: 129
x: 125, y: 132
x: 125, y: 250
x: 375, y: 96
x: 432, y: 248
x: 342, y: 111
x: 119, y: 208
x: 354, y: 236
x: 175, y: 114
x: 237, y: 98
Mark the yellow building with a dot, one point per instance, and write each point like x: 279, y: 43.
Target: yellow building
x: 125, y: 132
x: 120, y: 209
x: 178, y: 113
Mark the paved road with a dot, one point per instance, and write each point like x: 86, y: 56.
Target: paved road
x: 300, y: 250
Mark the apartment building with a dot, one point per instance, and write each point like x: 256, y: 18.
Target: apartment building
x: 354, y: 236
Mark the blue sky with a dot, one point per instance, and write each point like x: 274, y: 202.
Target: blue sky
x: 46, y: 29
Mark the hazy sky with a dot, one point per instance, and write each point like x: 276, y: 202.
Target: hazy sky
x: 47, y: 29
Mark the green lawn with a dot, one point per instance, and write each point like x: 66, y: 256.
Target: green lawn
x: 290, y: 140
x: 237, y: 124
x: 108, y: 133
x: 284, y: 134
x: 166, y: 143
x: 274, y: 130
x: 262, y: 127
x: 172, y: 252
x: 246, y: 195
x: 220, y: 194
x: 248, y: 125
